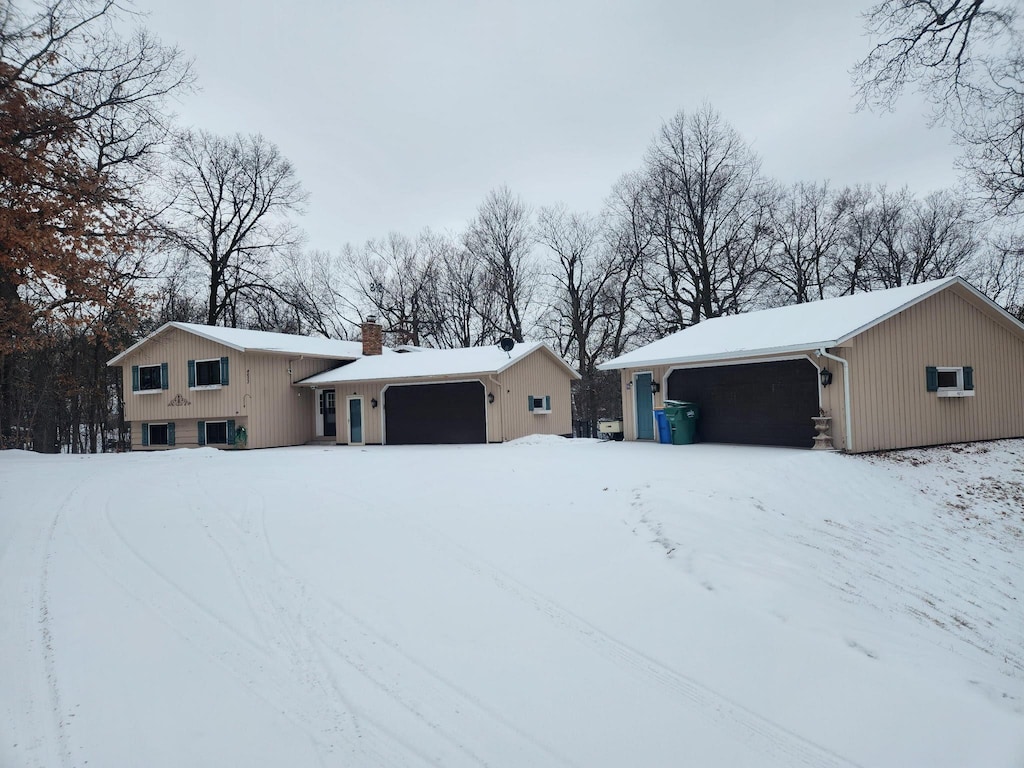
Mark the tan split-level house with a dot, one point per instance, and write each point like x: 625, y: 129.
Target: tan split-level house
x: 475, y: 395
x: 927, y: 364
x: 191, y: 385
x: 195, y: 385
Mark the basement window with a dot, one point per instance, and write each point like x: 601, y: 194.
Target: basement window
x: 216, y: 432
x: 950, y: 381
x: 158, y: 434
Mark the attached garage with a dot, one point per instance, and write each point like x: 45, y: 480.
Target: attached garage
x: 425, y: 414
x: 758, y: 403
x: 419, y: 396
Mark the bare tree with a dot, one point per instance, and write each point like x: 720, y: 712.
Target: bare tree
x: 463, y: 307
x: 230, y: 214
x: 707, y: 206
x: 916, y: 240
x: 392, y: 279
x: 967, y: 56
x: 314, y: 288
x: 586, y: 314
x: 808, y: 222
x: 501, y: 237
x: 631, y: 240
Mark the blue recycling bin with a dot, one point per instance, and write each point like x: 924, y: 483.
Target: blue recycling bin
x: 664, y: 428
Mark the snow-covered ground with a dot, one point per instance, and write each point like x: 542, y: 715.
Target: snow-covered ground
x: 541, y: 603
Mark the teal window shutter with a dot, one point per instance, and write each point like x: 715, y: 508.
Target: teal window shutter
x: 145, y: 434
x: 191, y: 373
x: 202, y: 433
x: 931, y: 375
x: 231, y: 430
x: 224, y: 373
x: 164, y: 383
x: 135, y: 378
x: 547, y: 402
x: 968, y: 377
x: 170, y: 433
x: 529, y: 402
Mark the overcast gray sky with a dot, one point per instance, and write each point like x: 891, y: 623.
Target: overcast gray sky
x: 400, y: 114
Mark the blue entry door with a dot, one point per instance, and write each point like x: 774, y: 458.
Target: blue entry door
x: 644, y: 406
x: 355, y: 421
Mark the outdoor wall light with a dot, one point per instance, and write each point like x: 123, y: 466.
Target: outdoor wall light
x: 490, y: 397
x: 655, y: 387
x: 826, y: 377
x: 373, y: 402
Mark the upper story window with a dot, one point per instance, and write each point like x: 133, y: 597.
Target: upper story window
x: 149, y: 378
x: 208, y: 373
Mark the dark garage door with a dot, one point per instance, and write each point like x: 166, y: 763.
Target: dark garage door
x: 422, y: 414
x: 758, y: 404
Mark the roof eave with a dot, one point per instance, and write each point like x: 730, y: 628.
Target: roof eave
x: 364, y: 379
x: 734, y: 355
x: 118, y: 358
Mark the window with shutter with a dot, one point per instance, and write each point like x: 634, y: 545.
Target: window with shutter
x: 150, y: 378
x: 208, y: 373
x: 950, y: 381
x: 540, y: 404
x: 217, y: 432
x: 159, y: 434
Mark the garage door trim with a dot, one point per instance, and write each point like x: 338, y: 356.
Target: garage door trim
x: 386, y: 387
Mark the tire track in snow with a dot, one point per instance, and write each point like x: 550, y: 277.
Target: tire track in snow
x: 763, y: 735
x: 412, y: 684
x: 46, y: 635
x: 242, y: 658
x: 281, y: 605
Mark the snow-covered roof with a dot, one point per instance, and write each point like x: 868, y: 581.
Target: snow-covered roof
x: 427, y: 363
x: 261, y: 341
x: 800, y: 327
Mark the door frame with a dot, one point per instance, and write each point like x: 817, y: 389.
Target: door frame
x: 321, y: 421
x: 636, y: 411
x: 348, y: 418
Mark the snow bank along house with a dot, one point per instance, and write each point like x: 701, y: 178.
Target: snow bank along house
x: 927, y: 364
x: 191, y: 385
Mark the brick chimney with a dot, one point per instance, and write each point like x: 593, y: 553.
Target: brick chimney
x: 373, y: 336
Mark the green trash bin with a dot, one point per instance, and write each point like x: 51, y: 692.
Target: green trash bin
x: 682, y: 418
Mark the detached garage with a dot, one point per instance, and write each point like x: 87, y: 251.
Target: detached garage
x: 420, y: 396
x: 768, y: 403
x: 927, y: 364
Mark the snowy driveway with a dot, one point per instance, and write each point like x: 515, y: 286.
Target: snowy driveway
x: 542, y: 603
